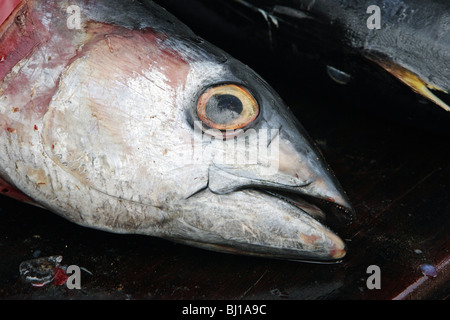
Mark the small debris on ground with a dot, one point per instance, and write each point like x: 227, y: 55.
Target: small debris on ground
x: 428, y: 270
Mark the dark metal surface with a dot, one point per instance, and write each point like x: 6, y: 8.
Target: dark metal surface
x: 396, y: 175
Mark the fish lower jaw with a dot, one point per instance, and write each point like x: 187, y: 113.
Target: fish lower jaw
x: 286, y: 225
x: 266, y: 252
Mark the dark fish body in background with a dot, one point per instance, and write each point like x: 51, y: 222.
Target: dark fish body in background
x: 413, y: 44
x: 411, y: 40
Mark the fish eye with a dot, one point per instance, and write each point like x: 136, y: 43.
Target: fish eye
x: 227, y: 107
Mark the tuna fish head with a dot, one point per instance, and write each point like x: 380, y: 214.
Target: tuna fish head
x: 152, y: 130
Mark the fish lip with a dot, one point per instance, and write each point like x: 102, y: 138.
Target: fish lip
x: 295, y: 200
x: 325, y: 193
x: 320, y: 209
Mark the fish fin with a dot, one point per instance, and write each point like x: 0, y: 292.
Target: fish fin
x: 413, y: 81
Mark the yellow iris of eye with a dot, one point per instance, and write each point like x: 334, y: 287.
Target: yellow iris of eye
x: 227, y: 107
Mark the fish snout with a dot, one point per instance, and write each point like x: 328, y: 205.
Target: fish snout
x: 291, y: 170
x: 273, y: 205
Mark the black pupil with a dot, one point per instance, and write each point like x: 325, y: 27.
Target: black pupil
x: 223, y: 108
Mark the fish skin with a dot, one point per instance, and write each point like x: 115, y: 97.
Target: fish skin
x: 97, y: 126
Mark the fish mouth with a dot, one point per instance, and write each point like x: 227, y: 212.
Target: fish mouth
x: 315, y: 207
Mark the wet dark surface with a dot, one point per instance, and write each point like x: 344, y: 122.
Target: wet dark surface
x: 396, y: 174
